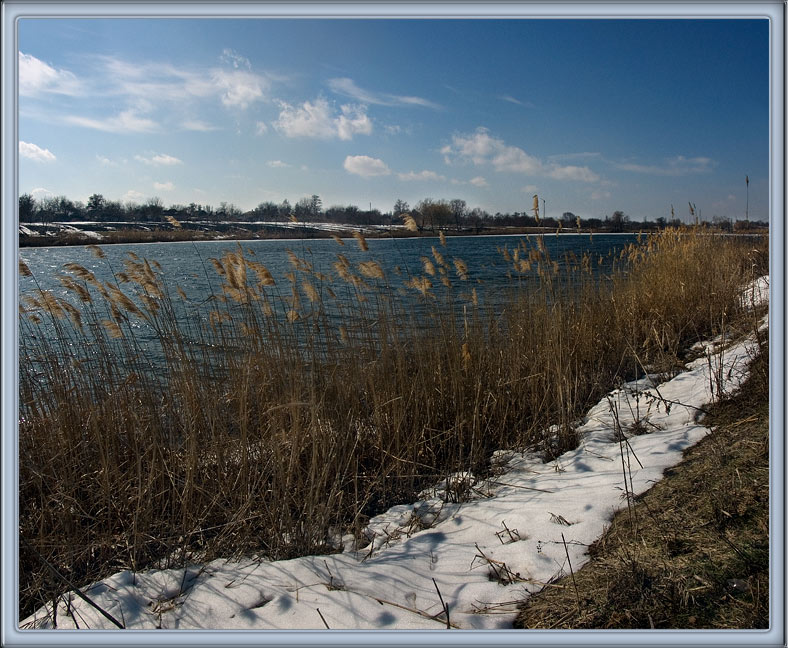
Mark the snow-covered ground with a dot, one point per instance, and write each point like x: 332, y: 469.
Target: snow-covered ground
x: 58, y: 228
x: 756, y: 293
x: 439, y: 561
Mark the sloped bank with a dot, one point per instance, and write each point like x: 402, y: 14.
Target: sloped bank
x: 695, y: 551
x: 465, y: 555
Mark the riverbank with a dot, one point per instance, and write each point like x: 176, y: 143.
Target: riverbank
x: 88, y: 233
x: 693, y: 552
x: 473, y: 547
x: 339, y: 399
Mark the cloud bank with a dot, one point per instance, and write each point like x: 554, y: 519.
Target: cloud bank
x: 36, y: 153
x: 318, y: 119
x: 482, y: 149
x: 365, y: 166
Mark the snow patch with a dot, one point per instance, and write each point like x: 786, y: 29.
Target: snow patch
x: 757, y: 293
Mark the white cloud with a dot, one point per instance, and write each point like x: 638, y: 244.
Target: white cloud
x: 348, y: 88
x: 235, y: 59
x: 159, y: 82
x: 105, y: 161
x: 278, y: 164
x: 530, y: 188
x: 675, y: 166
x: 126, y: 122
x: 33, y: 152
x: 133, y: 196
x: 478, y: 181
x: 140, y: 87
x: 162, y: 81
x: 365, y: 166
x: 163, y: 186
x: 160, y: 159
x: 310, y: 120
x: 599, y: 194
x: 239, y: 88
x: 317, y: 119
x: 482, y: 149
x: 261, y: 128
x: 421, y: 175
x: 513, y: 158
x: 39, y: 193
x: 352, y: 120
x: 198, y: 125
x: 510, y: 99
x: 695, y: 164
x: 582, y: 174
x: 584, y: 155
x: 36, y: 77
x: 167, y: 160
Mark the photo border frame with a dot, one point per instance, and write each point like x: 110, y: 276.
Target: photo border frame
x: 15, y: 10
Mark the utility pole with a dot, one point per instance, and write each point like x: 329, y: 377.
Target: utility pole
x: 747, y: 207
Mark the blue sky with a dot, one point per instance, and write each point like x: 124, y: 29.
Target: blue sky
x: 593, y: 115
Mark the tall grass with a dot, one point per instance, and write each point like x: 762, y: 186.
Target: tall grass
x: 286, y: 412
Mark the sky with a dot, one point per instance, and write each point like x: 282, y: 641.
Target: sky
x: 594, y: 116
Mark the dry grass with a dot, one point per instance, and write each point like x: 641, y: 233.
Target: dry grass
x: 286, y: 411
x: 697, y: 554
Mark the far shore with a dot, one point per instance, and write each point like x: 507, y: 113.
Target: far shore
x: 86, y: 233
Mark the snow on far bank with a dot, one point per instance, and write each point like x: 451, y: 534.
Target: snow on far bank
x: 338, y: 228
x: 481, y: 556
x: 57, y: 229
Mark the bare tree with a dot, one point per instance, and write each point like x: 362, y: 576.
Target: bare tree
x: 27, y: 208
x: 400, y: 207
x: 617, y: 221
x: 459, y: 210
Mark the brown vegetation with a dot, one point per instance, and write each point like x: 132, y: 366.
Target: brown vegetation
x: 287, y: 411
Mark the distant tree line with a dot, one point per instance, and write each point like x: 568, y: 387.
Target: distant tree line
x: 429, y: 215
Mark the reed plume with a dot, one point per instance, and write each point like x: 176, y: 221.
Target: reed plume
x: 362, y: 242
x: 371, y: 269
x: 97, y: 251
x: 410, y: 223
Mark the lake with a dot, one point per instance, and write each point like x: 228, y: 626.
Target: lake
x: 187, y: 265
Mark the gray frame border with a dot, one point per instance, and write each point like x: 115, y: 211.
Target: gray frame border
x: 12, y: 10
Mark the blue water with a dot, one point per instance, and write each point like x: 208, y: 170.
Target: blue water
x: 187, y: 265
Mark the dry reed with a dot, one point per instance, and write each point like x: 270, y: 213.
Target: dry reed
x: 272, y: 426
